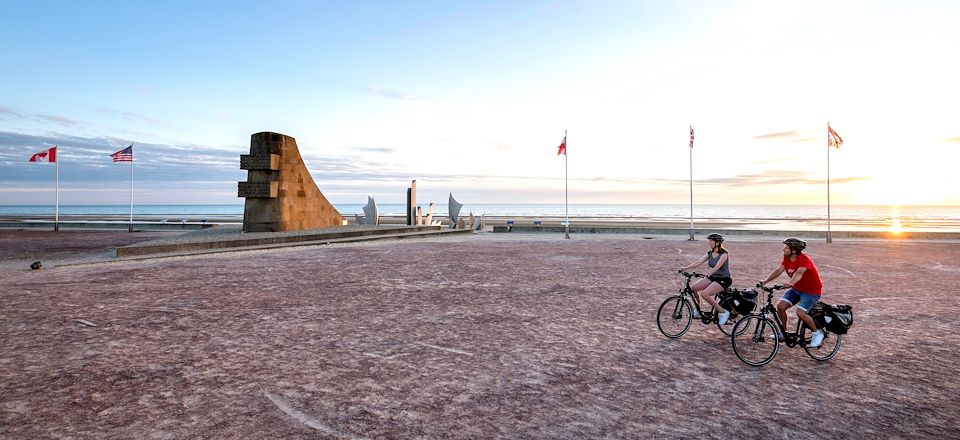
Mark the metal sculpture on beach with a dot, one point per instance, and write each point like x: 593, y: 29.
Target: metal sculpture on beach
x: 371, y: 213
x: 453, y: 207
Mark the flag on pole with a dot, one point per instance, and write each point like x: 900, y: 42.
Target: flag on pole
x: 45, y: 156
x: 691, y: 136
x: 833, y: 139
x: 124, y: 155
x: 563, y: 147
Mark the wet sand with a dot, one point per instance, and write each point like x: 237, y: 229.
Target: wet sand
x: 482, y: 336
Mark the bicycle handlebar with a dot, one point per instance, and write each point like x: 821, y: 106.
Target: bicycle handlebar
x: 770, y: 289
x: 690, y: 274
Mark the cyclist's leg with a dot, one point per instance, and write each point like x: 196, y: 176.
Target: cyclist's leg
x: 710, y: 292
x: 701, y: 284
x: 803, y: 307
x: 789, y: 299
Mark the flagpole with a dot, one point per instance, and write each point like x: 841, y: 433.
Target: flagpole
x: 130, y: 229
x: 56, y: 215
x: 829, y: 233
x: 691, y: 183
x: 566, y: 188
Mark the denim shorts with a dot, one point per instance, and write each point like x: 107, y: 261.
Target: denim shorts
x: 806, y: 300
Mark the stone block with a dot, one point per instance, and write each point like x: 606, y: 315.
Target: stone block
x: 267, y: 162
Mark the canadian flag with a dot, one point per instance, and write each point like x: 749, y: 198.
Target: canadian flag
x: 45, y: 156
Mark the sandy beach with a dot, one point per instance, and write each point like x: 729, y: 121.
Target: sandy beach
x: 476, y: 336
x: 807, y: 227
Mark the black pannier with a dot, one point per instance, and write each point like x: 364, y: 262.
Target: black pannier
x: 742, y: 301
x: 836, y: 319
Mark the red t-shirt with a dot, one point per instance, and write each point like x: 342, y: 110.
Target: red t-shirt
x: 810, y: 281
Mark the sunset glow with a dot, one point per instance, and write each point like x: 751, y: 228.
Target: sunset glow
x: 473, y: 99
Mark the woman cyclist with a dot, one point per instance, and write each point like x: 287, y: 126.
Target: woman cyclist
x: 718, y: 276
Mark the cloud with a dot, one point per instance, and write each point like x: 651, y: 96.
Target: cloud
x: 382, y: 150
x: 397, y: 95
x: 778, y: 135
x: 762, y: 162
x: 57, y: 119
x: 62, y: 120
x: 774, y: 177
x: 130, y: 116
x: 140, y: 91
x: 9, y: 112
x: 86, y: 161
x: 953, y: 139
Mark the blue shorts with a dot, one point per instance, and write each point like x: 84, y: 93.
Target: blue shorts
x: 805, y: 300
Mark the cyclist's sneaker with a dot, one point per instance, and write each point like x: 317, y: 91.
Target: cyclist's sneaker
x: 723, y: 317
x: 696, y: 314
x: 817, y: 338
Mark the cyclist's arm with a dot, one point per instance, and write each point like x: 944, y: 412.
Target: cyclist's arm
x: 796, y: 277
x: 776, y: 272
x: 695, y: 263
x: 714, y: 269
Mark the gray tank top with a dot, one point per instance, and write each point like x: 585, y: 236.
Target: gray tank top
x: 724, y: 270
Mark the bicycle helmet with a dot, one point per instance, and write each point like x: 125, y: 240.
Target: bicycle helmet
x: 795, y: 244
x: 715, y: 237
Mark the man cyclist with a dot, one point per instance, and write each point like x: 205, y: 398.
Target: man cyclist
x: 804, y: 286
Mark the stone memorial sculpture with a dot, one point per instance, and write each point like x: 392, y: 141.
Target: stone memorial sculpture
x: 280, y: 193
x: 430, y: 214
x: 453, y: 209
x: 412, y: 203
x: 371, y: 213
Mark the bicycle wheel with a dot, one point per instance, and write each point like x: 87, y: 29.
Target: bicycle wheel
x: 826, y: 350
x: 755, y: 340
x: 727, y: 328
x: 674, y: 317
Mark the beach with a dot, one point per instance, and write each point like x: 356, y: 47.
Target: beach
x: 470, y: 336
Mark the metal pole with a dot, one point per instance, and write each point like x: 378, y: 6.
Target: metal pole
x: 130, y: 229
x: 691, y: 187
x: 829, y: 233
x: 566, y: 187
x: 56, y: 215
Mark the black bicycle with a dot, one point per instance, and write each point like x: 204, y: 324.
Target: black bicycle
x: 676, y: 312
x: 756, y: 338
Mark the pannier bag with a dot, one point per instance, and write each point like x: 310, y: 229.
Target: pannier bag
x: 742, y: 301
x: 836, y: 319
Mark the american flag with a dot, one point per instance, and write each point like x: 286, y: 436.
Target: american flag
x: 562, y: 149
x: 691, y: 136
x: 124, y: 155
x: 833, y: 139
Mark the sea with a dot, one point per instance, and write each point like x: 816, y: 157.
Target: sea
x: 796, y: 217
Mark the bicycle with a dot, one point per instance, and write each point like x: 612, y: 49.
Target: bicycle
x: 755, y: 345
x: 676, y: 311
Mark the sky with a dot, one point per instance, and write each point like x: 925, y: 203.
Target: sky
x: 473, y: 98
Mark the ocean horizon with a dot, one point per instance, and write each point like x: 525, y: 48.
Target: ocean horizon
x: 905, y: 215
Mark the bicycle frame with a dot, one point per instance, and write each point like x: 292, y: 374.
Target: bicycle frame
x: 688, y: 291
x: 791, y: 339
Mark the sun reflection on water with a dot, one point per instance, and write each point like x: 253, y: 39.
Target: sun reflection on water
x: 895, y: 226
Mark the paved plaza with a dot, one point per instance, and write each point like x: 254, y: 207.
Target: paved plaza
x: 475, y: 336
